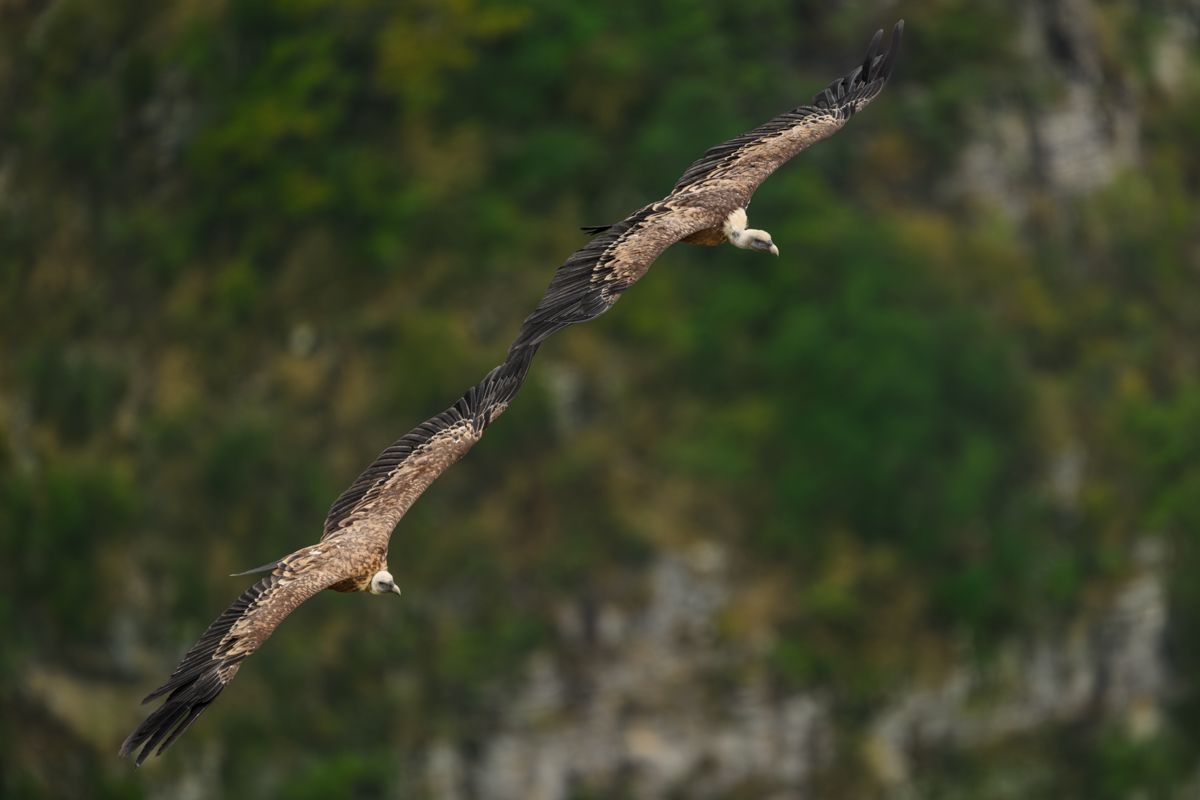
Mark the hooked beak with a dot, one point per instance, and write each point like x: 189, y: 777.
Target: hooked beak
x: 774, y: 250
x: 395, y: 588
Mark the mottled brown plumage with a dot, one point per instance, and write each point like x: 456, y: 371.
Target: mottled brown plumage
x: 351, y: 553
x: 699, y: 208
x: 706, y: 206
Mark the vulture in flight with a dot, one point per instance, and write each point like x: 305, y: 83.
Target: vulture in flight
x: 351, y: 556
x: 707, y: 205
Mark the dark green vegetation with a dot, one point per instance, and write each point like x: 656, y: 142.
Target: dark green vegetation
x: 244, y: 245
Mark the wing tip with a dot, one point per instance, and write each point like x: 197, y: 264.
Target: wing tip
x: 872, y: 51
x: 126, y: 746
x: 878, y: 67
x: 167, y: 723
x: 199, y: 678
x: 865, y: 80
x: 889, y: 58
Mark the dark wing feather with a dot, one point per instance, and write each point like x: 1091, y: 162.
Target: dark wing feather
x: 750, y: 158
x: 593, y: 278
x: 574, y: 294
x: 213, y: 661
x: 410, y: 464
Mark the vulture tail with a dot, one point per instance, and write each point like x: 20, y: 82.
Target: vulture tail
x: 264, y: 568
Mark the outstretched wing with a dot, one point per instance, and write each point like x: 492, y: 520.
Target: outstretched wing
x: 213, y: 661
x: 742, y: 164
x: 593, y: 278
x: 374, y: 504
x: 723, y: 179
x: 386, y: 489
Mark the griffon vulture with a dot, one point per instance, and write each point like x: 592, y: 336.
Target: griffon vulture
x: 708, y: 204
x: 351, y: 556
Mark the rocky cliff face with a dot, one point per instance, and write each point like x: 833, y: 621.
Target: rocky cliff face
x: 639, y: 710
x: 1075, y: 140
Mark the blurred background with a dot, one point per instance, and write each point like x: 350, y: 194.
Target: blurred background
x: 910, y: 511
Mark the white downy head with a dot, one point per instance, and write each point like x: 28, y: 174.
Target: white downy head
x: 747, y: 238
x: 383, y: 583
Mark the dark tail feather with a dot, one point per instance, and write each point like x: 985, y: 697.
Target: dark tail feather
x: 592, y: 230
x: 264, y: 568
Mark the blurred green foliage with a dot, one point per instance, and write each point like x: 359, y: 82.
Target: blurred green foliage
x: 245, y: 244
